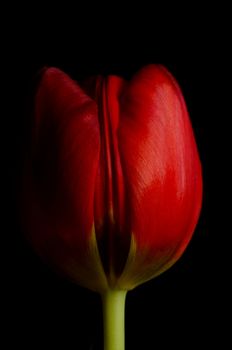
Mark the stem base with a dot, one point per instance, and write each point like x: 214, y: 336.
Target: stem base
x: 113, y: 302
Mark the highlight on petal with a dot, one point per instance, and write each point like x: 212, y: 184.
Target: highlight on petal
x: 162, y: 173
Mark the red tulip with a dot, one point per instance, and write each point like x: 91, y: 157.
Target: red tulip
x: 113, y: 186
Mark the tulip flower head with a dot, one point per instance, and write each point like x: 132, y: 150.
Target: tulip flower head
x: 112, y: 186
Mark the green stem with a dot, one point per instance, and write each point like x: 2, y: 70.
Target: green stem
x: 113, y: 302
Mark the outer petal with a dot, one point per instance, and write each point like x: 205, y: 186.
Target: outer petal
x: 162, y: 173
x: 60, y: 180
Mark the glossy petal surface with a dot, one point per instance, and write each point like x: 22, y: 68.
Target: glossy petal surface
x: 162, y: 171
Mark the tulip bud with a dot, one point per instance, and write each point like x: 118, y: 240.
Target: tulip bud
x: 112, y: 187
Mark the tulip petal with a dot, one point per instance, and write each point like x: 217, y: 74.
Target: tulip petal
x: 58, y: 197
x: 113, y: 235
x: 162, y: 173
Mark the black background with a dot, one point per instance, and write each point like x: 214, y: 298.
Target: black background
x: 184, y: 305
